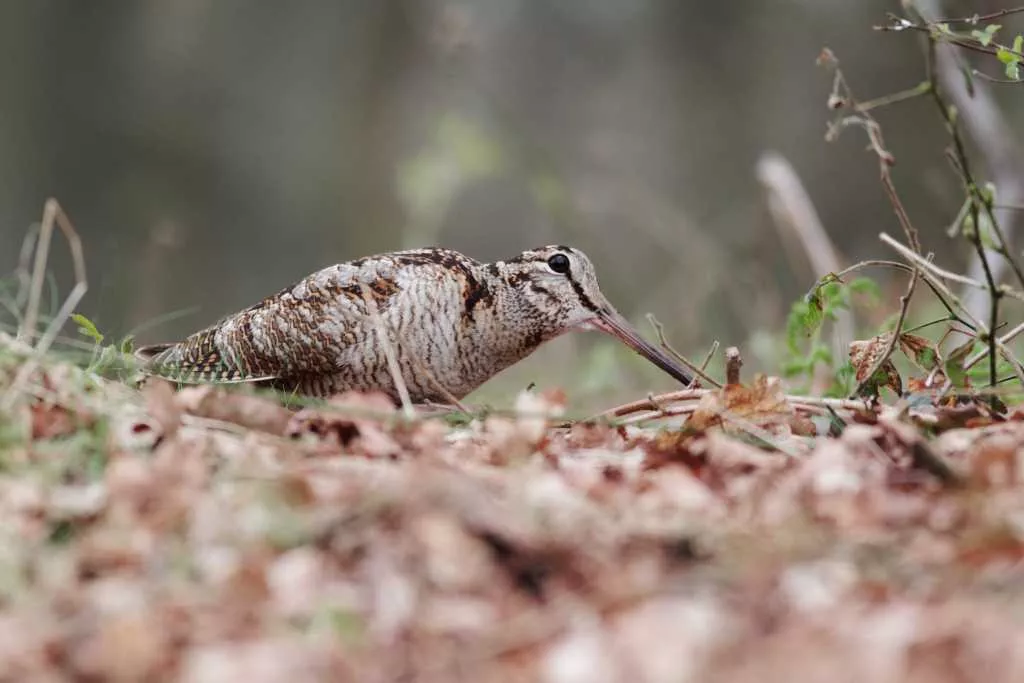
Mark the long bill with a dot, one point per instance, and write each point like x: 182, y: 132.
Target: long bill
x: 611, y: 323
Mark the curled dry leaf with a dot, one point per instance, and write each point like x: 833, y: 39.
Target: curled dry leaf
x: 762, y: 404
x: 864, y: 355
x: 920, y: 350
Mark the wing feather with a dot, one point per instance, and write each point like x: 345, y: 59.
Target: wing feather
x: 297, y: 332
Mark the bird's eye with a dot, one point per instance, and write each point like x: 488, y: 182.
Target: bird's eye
x: 559, y: 263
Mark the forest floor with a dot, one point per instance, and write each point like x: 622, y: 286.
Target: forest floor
x: 214, y: 535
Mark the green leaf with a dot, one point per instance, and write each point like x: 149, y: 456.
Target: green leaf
x: 985, y: 37
x: 87, y: 328
x: 954, y: 365
x: 1007, y: 56
x: 1013, y: 71
x: 1012, y: 59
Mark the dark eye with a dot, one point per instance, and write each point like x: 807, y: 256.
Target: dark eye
x: 559, y: 263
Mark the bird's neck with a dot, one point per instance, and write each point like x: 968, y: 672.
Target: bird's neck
x: 518, y: 325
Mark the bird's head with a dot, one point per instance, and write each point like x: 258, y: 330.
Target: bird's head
x: 560, y: 284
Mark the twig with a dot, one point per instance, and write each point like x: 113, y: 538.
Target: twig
x: 895, y: 98
x: 646, y: 403
x: 842, y: 90
x: 1005, y: 339
x: 733, y: 363
x: 944, y: 274
x: 995, y: 141
x: 904, y: 267
x: 976, y: 18
x: 389, y: 352
x: 699, y: 371
x: 933, y: 274
x: 932, y: 29
x: 971, y: 188
x: 52, y: 214
x: 709, y: 355
x: 981, y: 329
x: 843, y: 94
x: 23, y: 272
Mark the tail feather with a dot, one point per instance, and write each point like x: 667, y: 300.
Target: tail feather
x: 195, y: 360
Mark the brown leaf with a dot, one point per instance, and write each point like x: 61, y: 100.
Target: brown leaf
x: 920, y: 350
x: 864, y: 355
x: 763, y: 404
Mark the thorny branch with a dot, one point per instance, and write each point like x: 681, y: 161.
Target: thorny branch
x: 842, y: 98
x: 971, y: 188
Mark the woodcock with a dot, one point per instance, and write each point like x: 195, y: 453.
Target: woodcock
x: 451, y: 323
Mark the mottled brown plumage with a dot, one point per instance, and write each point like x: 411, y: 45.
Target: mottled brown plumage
x: 452, y: 322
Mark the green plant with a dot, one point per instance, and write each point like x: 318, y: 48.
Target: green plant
x: 807, y: 351
x: 110, y: 359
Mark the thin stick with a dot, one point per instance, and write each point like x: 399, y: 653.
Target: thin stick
x: 672, y: 404
x: 389, y: 352
x: 1005, y: 339
x: 942, y: 272
x: 660, y: 329
x: 904, y: 267
x: 646, y: 403
x: 35, y: 288
x: 976, y: 18
x: 23, y: 273
x: 52, y: 213
x: 911, y: 232
x: 709, y: 355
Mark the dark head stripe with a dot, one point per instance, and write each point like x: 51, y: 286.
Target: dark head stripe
x: 584, y: 299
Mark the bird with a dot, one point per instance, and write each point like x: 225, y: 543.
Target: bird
x: 448, y: 322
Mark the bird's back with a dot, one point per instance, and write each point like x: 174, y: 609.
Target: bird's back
x: 320, y: 335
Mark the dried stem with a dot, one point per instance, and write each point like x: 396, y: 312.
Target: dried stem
x: 709, y: 355
x: 973, y: 193
x: 733, y: 363
x: 53, y: 214
x: 389, y: 352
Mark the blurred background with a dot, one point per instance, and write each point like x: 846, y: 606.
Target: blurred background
x: 210, y: 153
